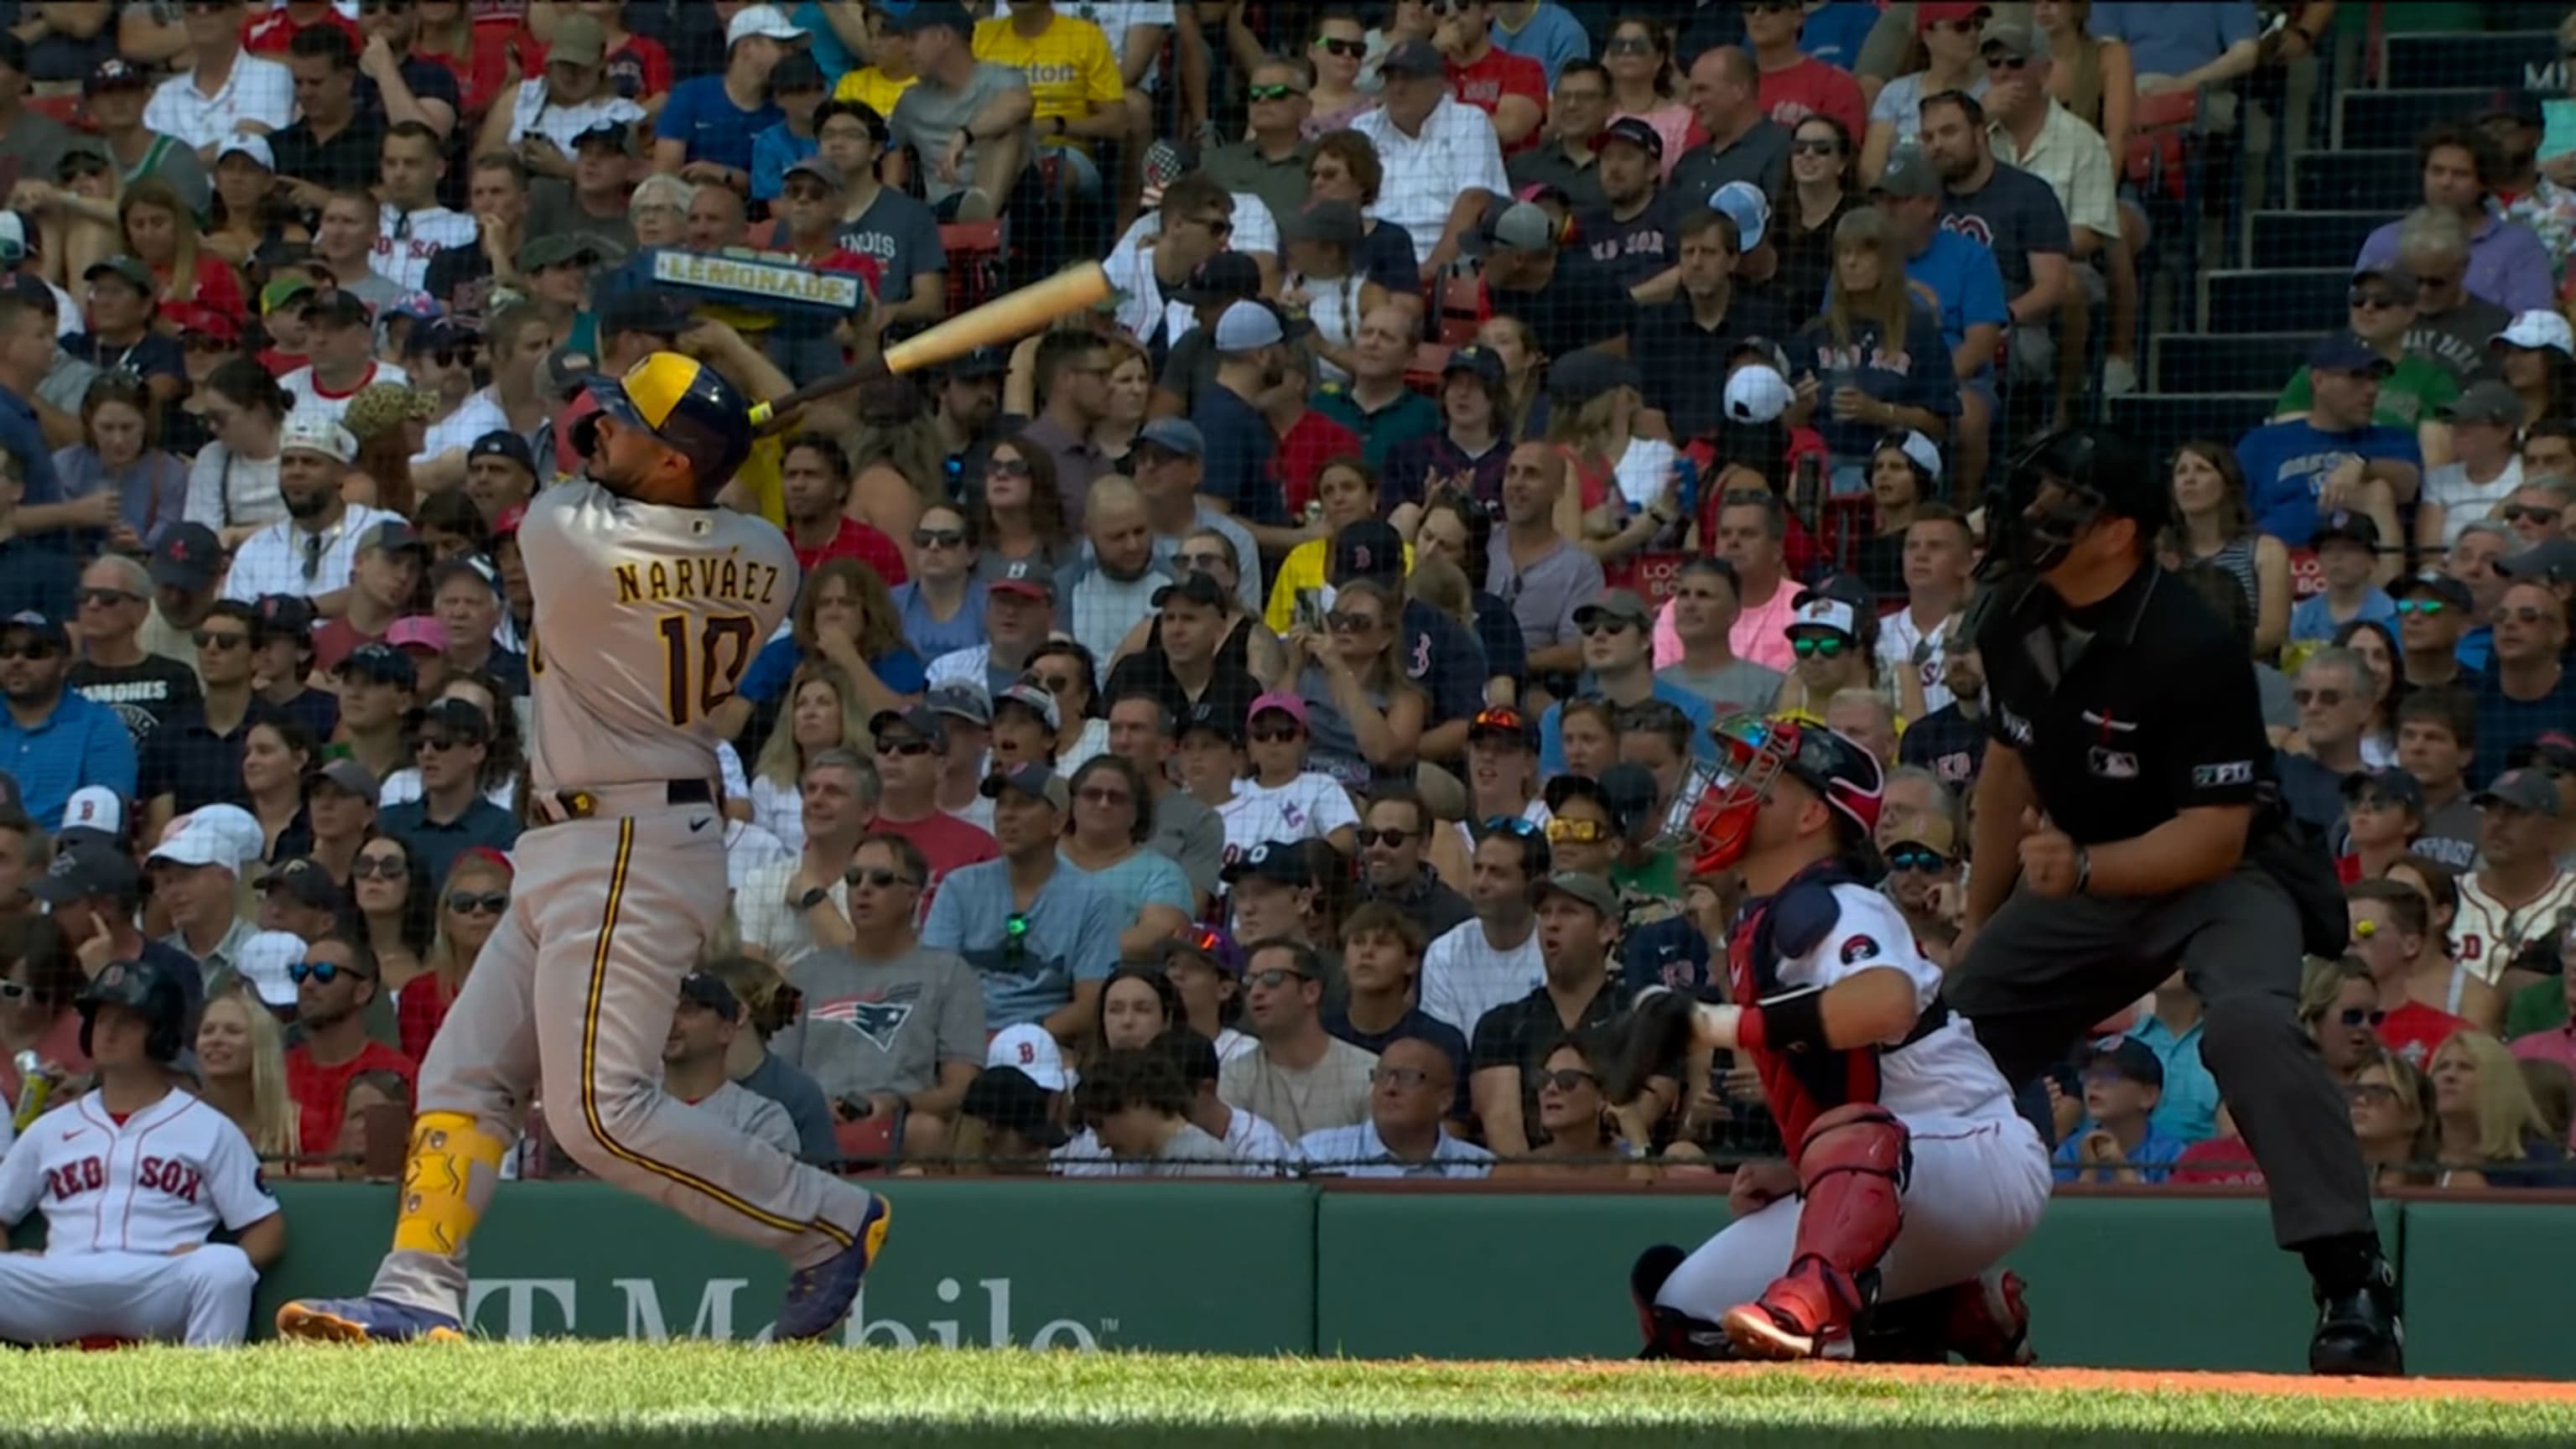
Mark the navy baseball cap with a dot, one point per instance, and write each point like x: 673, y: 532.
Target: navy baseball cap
x: 1635, y: 132
x: 1282, y: 861
x: 1369, y: 548
x: 503, y: 443
x: 703, y: 988
x: 187, y: 558
x: 2343, y: 352
x: 2393, y: 783
x: 1175, y: 435
x: 2129, y: 1057
x: 381, y: 663
x: 933, y: 13
x: 31, y: 622
x: 1483, y: 363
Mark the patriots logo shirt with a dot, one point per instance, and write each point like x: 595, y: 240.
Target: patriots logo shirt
x: 876, y: 1015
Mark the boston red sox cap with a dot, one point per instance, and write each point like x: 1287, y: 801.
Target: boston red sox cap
x: 1367, y: 549
x: 710, y: 991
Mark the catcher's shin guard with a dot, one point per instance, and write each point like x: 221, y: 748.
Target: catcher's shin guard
x: 444, y: 1193
x: 1852, y: 1168
x: 1983, y: 1321
x: 1670, y: 1333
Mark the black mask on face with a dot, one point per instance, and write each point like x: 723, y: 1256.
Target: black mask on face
x: 2058, y: 485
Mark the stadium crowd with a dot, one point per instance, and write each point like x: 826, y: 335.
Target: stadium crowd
x: 1252, y: 727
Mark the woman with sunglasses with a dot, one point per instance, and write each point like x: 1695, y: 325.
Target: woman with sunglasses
x: 941, y: 607
x: 824, y: 712
x: 1104, y: 843
x: 2392, y: 1116
x: 247, y: 216
x: 845, y: 618
x: 2214, y: 524
x: 241, y: 1072
x: 75, y: 215
x: 2339, y: 1004
x: 1336, y: 54
x: 1951, y: 61
x: 119, y: 454
x: 232, y: 485
x: 1065, y: 670
x: 505, y: 755
x: 1365, y: 715
x: 1018, y: 513
x: 1638, y: 54
x: 160, y: 230
x: 39, y: 982
x: 477, y: 895
x: 396, y: 907
x: 1824, y: 186
x: 1583, y: 1136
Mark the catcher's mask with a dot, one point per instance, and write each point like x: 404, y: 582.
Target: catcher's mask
x: 2055, y: 487
x: 1753, y: 752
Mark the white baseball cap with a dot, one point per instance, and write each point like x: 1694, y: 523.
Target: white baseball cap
x: 1748, y: 208
x: 766, y: 20
x: 316, y: 432
x: 1823, y: 612
x: 1245, y: 326
x: 1757, y: 394
x: 255, y: 147
x: 224, y: 835
x: 1926, y: 456
x: 1032, y: 1050
x: 2540, y: 328
x: 13, y: 238
x: 264, y: 961
x: 95, y: 807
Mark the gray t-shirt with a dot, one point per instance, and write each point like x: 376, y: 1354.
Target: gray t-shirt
x: 1334, y: 1092
x: 1741, y: 686
x: 751, y: 1114
x: 2458, y: 339
x: 903, y: 237
x: 1192, y: 835
x: 883, y: 1026
x: 929, y: 117
x: 1544, y: 595
x: 553, y: 212
x: 1069, y: 934
x: 2450, y: 835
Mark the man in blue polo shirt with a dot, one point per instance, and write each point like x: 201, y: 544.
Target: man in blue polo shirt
x: 54, y: 741
x: 2335, y: 457
x: 707, y: 125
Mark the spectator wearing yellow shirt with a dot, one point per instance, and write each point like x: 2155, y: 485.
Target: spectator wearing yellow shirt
x: 879, y: 83
x: 1073, y: 77
x: 1347, y: 491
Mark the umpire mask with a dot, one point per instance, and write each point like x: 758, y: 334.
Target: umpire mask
x: 2054, y: 488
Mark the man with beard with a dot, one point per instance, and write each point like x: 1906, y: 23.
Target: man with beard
x: 1395, y: 831
x: 1123, y: 578
x: 814, y: 494
x: 333, y: 984
x: 2017, y: 217
x: 312, y: 551
x: 693, y: 1064
x: 1480, y: 964
x: 186, y: 565
x: 966, y: 409
x: 1144, y: 731
x: 55, y: 741
x: 1951, y: 740
x: 1631, y: 235
x: 1241, y: 452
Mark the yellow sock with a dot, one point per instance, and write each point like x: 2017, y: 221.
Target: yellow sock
x: 440, y: 1199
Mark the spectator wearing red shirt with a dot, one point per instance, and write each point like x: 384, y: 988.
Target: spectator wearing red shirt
x: 1307, y: 439
x: 333, y: 984
x: 273, y: 32
x: 1510, y: 88
x: 471, y: 906
x: 2220, y: 1161
x: 2423, y: 995
x: 814, y: 493
x: 912, y: 750
x: 638, y: 68
x: 1796, y: 85
x: 475, y: 51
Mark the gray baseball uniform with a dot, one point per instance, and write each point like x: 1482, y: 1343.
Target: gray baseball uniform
x: 646, y: 617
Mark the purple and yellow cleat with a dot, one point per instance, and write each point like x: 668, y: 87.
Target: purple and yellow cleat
x: 364, y: 1320
x: 818, y: 1298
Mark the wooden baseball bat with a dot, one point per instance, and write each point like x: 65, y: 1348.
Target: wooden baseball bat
x: 1006, y: 318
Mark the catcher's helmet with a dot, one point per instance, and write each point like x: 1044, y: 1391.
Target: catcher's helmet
x: 685, y: 403
x: 1753, y: 752
x: 146, y: 990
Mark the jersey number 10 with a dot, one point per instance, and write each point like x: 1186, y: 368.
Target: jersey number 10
x: 699, y: 679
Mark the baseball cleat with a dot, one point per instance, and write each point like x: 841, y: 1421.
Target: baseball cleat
x: 2359, y: 1332
x: 818, y: 1298
x: 1759, y: 1331
x: 364, y: 1320
x: 1987, y: 1322
x: 1656, y: 1029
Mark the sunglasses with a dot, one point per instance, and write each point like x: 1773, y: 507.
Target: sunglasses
x: 909, y: 749
x: 1401, y: 1076
x: 880, y: 878
x: 1221, y: 226
x: 1200, y: 563
x: 2528, y: 513
x: 2328, y: 698
x: 28, y: 651
x: 1276, y: 977
x: 469, y: 903
x: 2375, y: 1093
x: 1388, y: 838
x: 2372, y: 301
x: 1058, y: 685
x: 1567, y: 1079
x: 1629, y: 45
x: 1812, y: 646
x: 2426, y: 607
x: 2362, y: 1016
x: 1277, y: 734
x: 2375, y: 801
x: 378, y: 867
x: 806, y: 193
x: 2007, y: 63
x: 440, y: 744
x: 938, y: 537
x: 1594, y: 627
x: 1826, y: 147
x: 321, y: 973
x: 77, y: 166
x: 109, y: 598
x: 1923, y: 861
x: 204, y: 342
x: 452, y: 356
x: 1272, y: 93
x: 1007, y: 468
x: 1347, y: 49
x: 1577, y: 832
x: 1343, y: 621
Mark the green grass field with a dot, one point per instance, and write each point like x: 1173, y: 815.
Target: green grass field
x: 718, y: 1396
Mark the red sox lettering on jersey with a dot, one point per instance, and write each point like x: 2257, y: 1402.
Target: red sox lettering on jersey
x: 163, y: 1179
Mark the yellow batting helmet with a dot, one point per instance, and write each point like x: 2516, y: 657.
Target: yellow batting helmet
x: 686, y: 404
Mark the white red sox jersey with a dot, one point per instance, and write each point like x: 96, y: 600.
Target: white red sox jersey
x: 2486, y: 935
x: 163, y: 1179
x: 406, y: 240
x: 646, y: 618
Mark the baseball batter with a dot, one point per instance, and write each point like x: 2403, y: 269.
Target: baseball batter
x: 1910, y: 1173
x: 131, y: 1178
x: 650, y: 602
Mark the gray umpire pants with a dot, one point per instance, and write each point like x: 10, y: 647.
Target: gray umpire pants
x: 2044, y: 971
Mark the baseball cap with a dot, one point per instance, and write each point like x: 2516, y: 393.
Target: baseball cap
x: 255, y: 147
x: 1414, y: 58
x: 928, y: 14
x: 1004, y: 1096
x: 1177, y: 436
x: 1818, y: 609
x: 1324, y: 221
x: 198, y: 318
x: 266, y: 961
x: 1592, y: 890
x: 392, y: 535
x: 380, y: 663
x: 1921, y: 451
x: 503, y: 443
x: 1225, y: 277
x: 2131, y: 1058
x: 611, y: 134
x: 187, y: 558
x: 224, y: 835
x: 14, y: 237
x: 579, y: 40
x: 1746, y: 206
x: 2343, y: 352
x: 2539, y: 328
x: 456, y: 718
x: 1248, y: 327
x: 1908, y: 173
x: 85, y: 868
x: 115, y: 74
x: 1619, y: 604
x: 2553, y: 753
x: 1034, y: 577
x: 2398, y: 282
x: 2441, y: 586
x: 2394, y: 783
x: 643, y: 309
x: 93, y: 809
x: 1757, y: 394
x: 980, y: 361
x: 307, y: 882
x: 1033, y: 780
x: 1936, y: 12
x: 51, y: 630
x: 335, y: 306
x: 1198, y: 588
x: 2519, y: 106
x: 818, y: 165
x: 1031, y: 1050
x: 1481, y: 363
x: 1934, y: 833
x: 1522, y: 226
x: 2011, y: 37
x: 2527, y: 790
x: 1587, y: 373
x: 1209, y: 944
x: 418, y: 631
x: 921, y: 719
x: 348, y: 776
x: 279, y: 294
x: 127, y: 269
x: 959, y: 701
x: 554, y: 249
x: 1634, y: 131
x: 1212, y: 717
x: 310, y: 431
x: 2485, y: 402
x: 1279, y: 861
x: 275, y: 615
x: 1033, y: 698
x: 1367, y: 548
x: 705, y: 988
x: 2552, y: 560
x: 1503, y: 722
x: 767, y: 21
x: 1291, y: 705
x: 2347, y: 526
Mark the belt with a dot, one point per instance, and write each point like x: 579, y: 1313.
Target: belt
x: 616, y: 801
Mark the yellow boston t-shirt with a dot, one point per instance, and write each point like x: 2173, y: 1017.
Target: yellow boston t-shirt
x: 874, y: 89
x: 1072, y: 72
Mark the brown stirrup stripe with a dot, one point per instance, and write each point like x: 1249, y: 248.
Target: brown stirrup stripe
x: 590, y: 1062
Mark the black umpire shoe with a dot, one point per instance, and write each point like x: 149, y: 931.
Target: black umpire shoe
x: 2358, y: 1332
x: 1655, y: 1031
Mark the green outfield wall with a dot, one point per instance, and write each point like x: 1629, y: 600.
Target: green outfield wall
x: 2135, y: 1281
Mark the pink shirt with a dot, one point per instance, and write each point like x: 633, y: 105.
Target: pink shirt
x: 1760, y: 635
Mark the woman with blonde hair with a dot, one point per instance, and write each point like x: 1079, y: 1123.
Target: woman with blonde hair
x: 824, y: 712
x: 241, y: 1061
x: 1524, y: 375
x: 845, y: 617
x: 161, y: 232
x: 476, y: 897
x: 769, y: 1006
x: 1872, y: 363
x: 1366, y: 715
x: 2392, y: 1117
x: 2487, y: 1130
x: 2336, y: 1000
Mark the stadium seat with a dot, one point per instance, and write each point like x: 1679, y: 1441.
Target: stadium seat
x: 2391, y: 120
x: 974, y: 262
x: 2246, y: 301
x: 2506, y: 59
x: 1462, y: 310
x: 2356, y: 181
x: 2227, y: 362
x: 2162, y: 422
x: 2160, y: 145
x: 2310, y: 238
x: 1423, y: 373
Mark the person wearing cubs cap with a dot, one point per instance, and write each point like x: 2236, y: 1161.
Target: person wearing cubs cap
x: 1568, y: 299
x: 623, y: 786
x: 2129, y: 777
